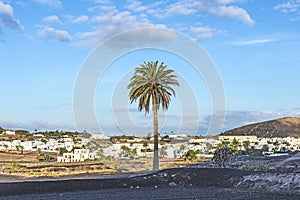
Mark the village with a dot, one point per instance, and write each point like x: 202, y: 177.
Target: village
x: 62, y: 146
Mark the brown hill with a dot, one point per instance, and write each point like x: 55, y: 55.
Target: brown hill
x: 282, y: 127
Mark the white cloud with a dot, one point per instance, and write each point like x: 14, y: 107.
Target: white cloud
x: 109, y: 20
x: 7, y: 17
x: 136, y: 6
x: 188, y: 7
x: 179, y: 8
x: 288, y: 7
x: 52, y: 19
x: 124, y: 17
x: 103, y: 8
x: 38, y: 125
x: 228, y: 1
x: 204, y: 32
x: 233, y: 12
x: 54, y: 34
x: 253, y: 42
x: 81, y: 19
x: 93, y: 38
x: 76, y: 20
x: 113, y: 23
x: 53, y: 4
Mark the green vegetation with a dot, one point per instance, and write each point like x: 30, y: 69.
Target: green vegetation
x: 75, y: 147
x: 38, y: 153
x: 29, y: 137
x: 6, y: 147
x: 222, y: 156
x: 133, y: 153
x: 129, y: 152
x: 251, y: 152
x: 191, y: 155
x: 85, y: 134
x: 126, y: 149
x: 265, y: 147
x: 152, y: 84
x: 62, y: 151
x: 145, y: 145
x: 163, y: 152
x: 255, y: 168
x: 234, y: 144
x: 246, y: 144
x: 15, y: 165
x: 56, y: 134
x: 223, y: 144
x: 21, y: 132
x: 209, y: 146
x: 22, y: 149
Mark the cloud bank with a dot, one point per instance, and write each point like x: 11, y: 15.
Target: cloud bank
x: 7, y: 18
x: 54, y: 34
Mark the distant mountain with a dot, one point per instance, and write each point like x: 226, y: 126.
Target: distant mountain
x: 2, y: 129
x: 282, y: 127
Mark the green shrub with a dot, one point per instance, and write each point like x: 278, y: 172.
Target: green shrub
x: 255, y: 168
x: 191, y: 155
x: 222, y: 156
x: 15, y: 165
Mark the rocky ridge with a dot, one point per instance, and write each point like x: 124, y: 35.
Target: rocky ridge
x: 282, y: 127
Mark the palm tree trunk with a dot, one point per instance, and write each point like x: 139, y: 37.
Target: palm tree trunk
x: 155, y: 153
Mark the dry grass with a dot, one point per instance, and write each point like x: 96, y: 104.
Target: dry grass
x: 6, y: 156
x: 54, y: 169
x: 26, y: 166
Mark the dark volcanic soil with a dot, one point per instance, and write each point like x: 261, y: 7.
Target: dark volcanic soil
x: 180, y: 183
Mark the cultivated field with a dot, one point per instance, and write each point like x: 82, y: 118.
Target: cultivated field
x: 26, y: 165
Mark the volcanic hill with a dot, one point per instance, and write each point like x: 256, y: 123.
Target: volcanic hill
x: 282, y: 127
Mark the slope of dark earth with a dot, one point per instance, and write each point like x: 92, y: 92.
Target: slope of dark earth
x: 283, y: 127
x: 179, y: 177
x: 179, y: 183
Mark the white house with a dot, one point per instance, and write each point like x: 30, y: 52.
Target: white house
x: 9, y: 132
x: 79, y: 155
x: 99, y: 136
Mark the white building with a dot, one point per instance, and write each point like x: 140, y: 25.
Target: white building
x: 9, y: 132
x: 79, y: 155
x: 99, y: 136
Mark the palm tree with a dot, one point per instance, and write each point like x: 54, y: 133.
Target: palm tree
x: 133, y: 153
x: 235, y: 144
x: 145, y: 145
x: 38, y: 153
x: 18, y: 148
x: 6, y: 146
x: 22, y: 149
x: 152, y: 84
x: 163, y: 151
x: 246, y: 144
x: 125, y: 149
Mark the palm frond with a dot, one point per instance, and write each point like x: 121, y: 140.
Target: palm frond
x: 152, y: 83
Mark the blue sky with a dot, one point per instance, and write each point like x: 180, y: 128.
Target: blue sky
x: 255, y: 46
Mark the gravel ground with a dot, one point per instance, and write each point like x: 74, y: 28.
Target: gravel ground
x: 178, y: 183
x: 207, y: 193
